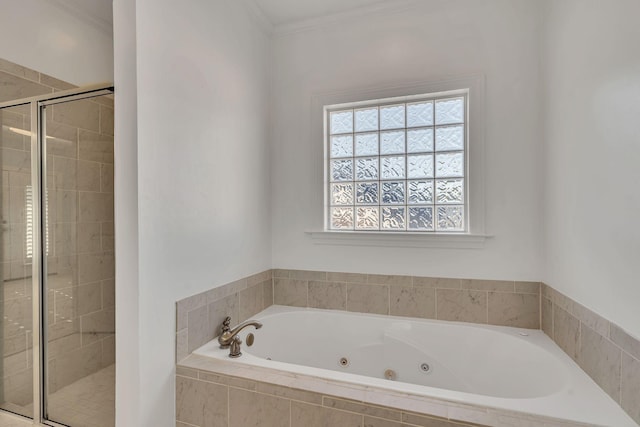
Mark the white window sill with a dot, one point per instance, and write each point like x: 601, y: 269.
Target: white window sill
x: 393, y: 239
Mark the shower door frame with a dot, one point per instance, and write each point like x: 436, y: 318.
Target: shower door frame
x: 39, y: 267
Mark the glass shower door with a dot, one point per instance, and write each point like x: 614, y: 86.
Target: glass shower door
x: 16, y: 245
x: 79, y: 244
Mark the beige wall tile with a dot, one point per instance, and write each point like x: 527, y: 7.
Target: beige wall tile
x: 600, y: 358
x: 461, y: 305
x: 368, y: 298
x: 517, y: 310
x: 258, y: 278
x: 251, y: 301
x: 106, y: 178
x: 82, y: 114
x: 392, y: 280
x: 249, y: 409
x: 89, y: 298
x: 346, y: 277
x: 437, y: 282
x: 108, y: 351
x: 290, y: 292
x: 78, y: 364
x: 106, y: 120
x: 307, y: 275
x: 547, y: 316
x: 182, y: 344
x: 186, y: 372
x: 88, y: 176
x: 528, y: 287
x: 99, y: 322
x: 625, y: 341
x: 89, y: 237
x: 630, y: 389
x: 306, y: 415
x: 328, y: 295
x: 95, y: 207
x: 108, y: 293
x: 281, y: 273
x: 289, y: 393
x: 267, y: 292
x: 201, y: 403
x: 566, y: 331
x: 55, y: 83
x: 591, y: 319
x: 95, y: 147
x: 425, y: 421
x: 413, y: 302
x: 95, y: 267
x: 361, y: 408
x: 18, y: 70
x: 199, y: 327
x: 107, y: 236
x: 489, y: 285
x: 14, y: 87
x: 218, y: 310
x: 227, y: 380
x: 65, y: 140
x: 379, y: 422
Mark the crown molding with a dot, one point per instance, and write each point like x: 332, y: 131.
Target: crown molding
x: 259, y: 16
x: 77, y: 10
x: 383, y: 7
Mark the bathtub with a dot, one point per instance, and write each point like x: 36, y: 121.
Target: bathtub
x: 417, y: 364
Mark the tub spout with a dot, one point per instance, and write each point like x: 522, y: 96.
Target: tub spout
x: 228, y: 334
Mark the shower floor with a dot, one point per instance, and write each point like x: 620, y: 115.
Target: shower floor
x: 89, y: 402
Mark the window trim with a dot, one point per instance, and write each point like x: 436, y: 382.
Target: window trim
x: 474, y: 236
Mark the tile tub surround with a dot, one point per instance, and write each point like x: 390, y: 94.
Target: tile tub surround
x: 609, y: 355
x: 199, y: 317
x: 233, y: 396
x: 495, y: 302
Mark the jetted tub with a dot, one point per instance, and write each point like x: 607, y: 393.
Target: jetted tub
x: 507, y: 369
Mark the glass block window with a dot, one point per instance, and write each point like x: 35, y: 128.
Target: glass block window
x: 398, y: 164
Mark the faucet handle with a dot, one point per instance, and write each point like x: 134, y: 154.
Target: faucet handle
x: 226, y: 324
x: 234, y: 351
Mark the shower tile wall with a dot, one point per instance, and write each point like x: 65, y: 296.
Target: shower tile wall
x: 81, y: 270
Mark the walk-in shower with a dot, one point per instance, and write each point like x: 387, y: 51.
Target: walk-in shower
x: 57, y: 326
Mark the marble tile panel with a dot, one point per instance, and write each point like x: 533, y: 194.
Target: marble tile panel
x: 625, y: 341
x: 306, y: 415
x: 19, y: 71
x: 267, y: 292
x: 361, y: 408
x: 547, y: 316
x: 89, y: 235
x: 437, y: 282
x: 391, y: 280
x: 199, y: 327
x: 591, y: 319
x: 368, y: 298
x: 328, y: 295
x: 601, y: 359
x: 517, y: 310
x: 227, y: 380
x: 88, y: 178
x: 89, y: 298
x: 250, y: 302
x: 426, y: 421
x: 108, y: 293
x: 201, y: 403
x: 258, y: 278
x: 289, y: 393
x: 413, y: 302
x: 566, y: 332
x: 81, y: 114
x: 379, y: 422
x: 106, y: 178
x: 290, y: 292
x: 219, y: 310
x: 489, y: 285
x: 106, y: 120
x: 346, y: 277
x: 249, y: 409
x: 307, y: 275
x: 95, y: 207
x: 630, y: 386
x: 14, y: 87
x: 186, y: 372
x: 182, y: 344
x: 527, y: 287
x: 95, y: 147
x: 461, y: 305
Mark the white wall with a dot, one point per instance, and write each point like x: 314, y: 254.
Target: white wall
x: 592, y: 200
x: 40, y: 35
x: 202, y: 180
x: 435, y: 40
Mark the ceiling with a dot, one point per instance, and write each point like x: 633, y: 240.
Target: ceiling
x: 283, y: 12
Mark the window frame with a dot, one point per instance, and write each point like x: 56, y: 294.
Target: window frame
x: 473, y: 237
x: 381, y: 103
